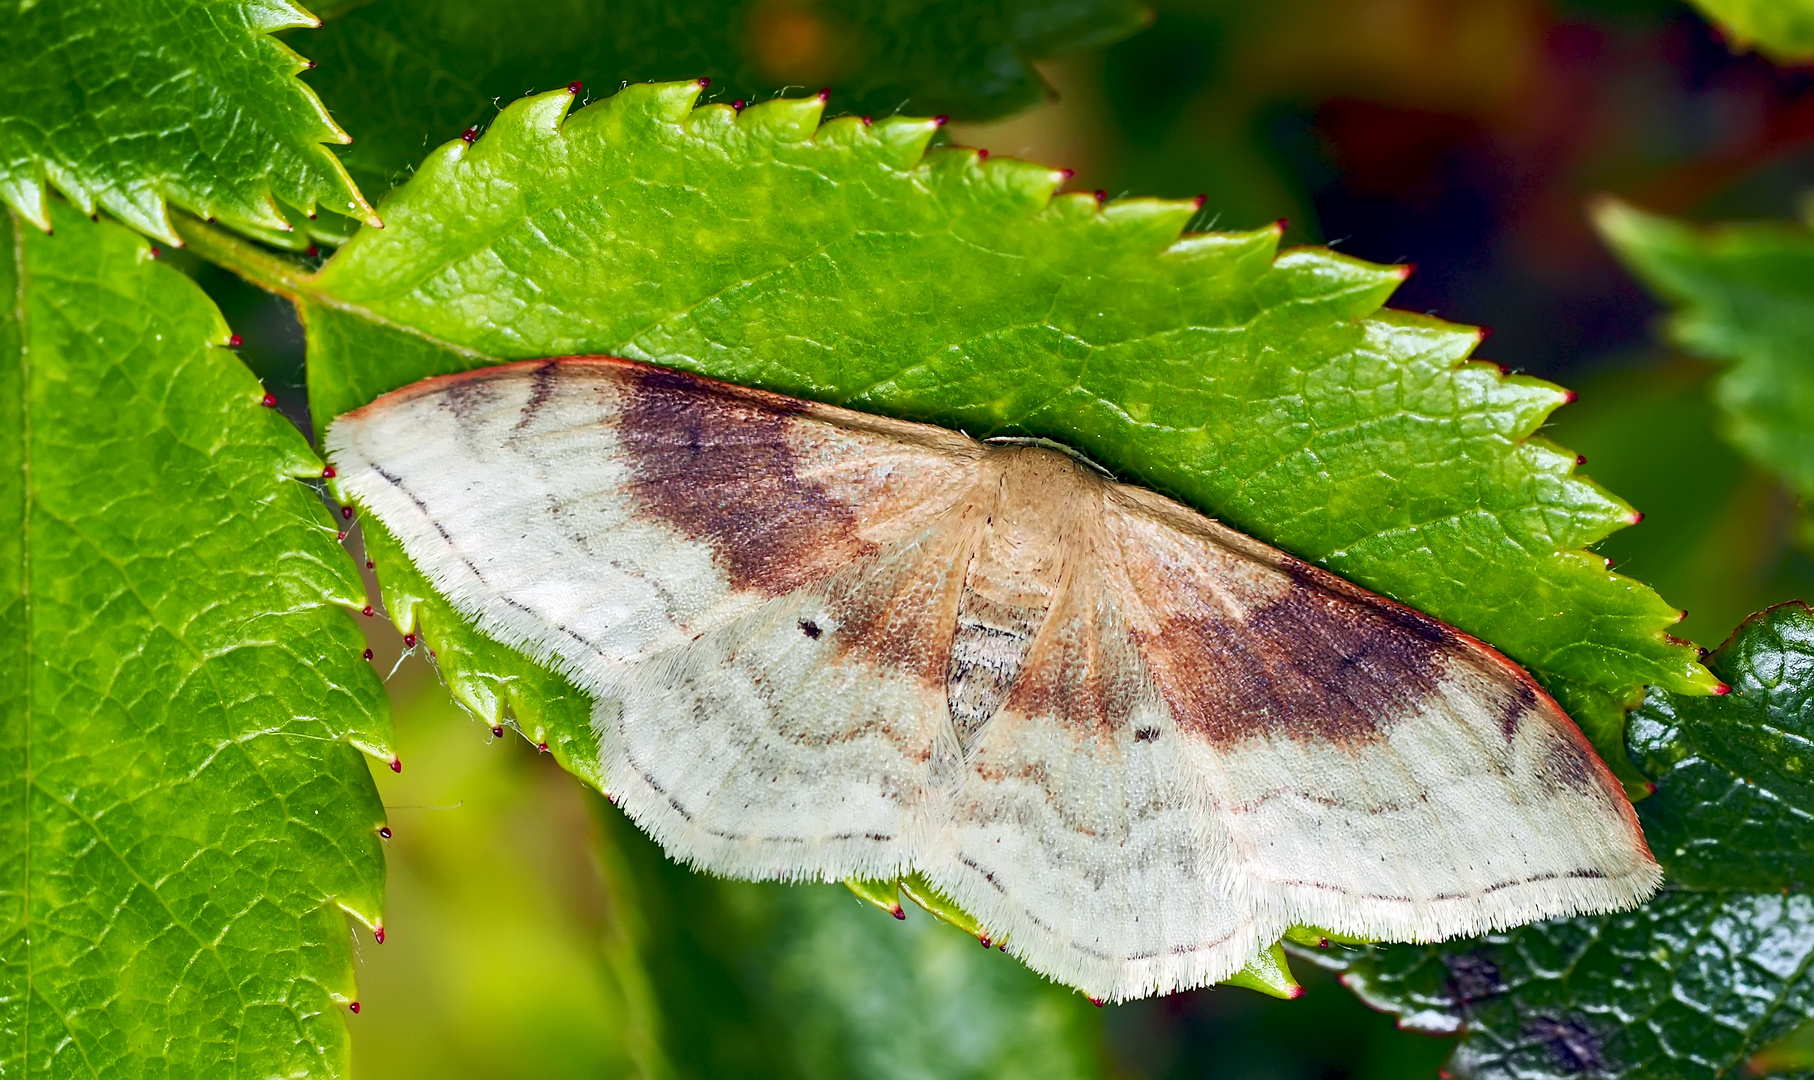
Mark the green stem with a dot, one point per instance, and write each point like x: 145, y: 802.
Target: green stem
x: 271, y: 272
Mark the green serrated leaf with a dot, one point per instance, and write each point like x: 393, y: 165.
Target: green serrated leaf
x: 1717, y: 533
x: 845, y: 264
x: 182, y: 704
x: 1744, y: 294
x: 405, y: 76
x: 1696, y: 982
x: 128, y: 105
x: 1783, y: 30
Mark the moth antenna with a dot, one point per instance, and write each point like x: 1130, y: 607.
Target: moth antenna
x: 1034, y: 440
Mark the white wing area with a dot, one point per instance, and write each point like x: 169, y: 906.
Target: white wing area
x: 1195, y: 742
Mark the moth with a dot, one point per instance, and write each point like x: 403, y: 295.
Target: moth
x: 1133, y: 742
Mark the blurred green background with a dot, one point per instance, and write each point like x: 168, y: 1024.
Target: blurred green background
x: 532, y: 933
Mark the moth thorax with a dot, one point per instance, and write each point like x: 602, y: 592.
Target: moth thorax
x: 1012, y: 579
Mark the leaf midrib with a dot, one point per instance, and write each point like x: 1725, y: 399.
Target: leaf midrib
x: 25, y: 630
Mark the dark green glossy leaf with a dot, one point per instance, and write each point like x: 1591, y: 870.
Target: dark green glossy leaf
x: 128, y: 105
x: 1685, y: 988
x: 1734, y: 805
x: 185, y: 817
x: 1695, y: 983
x: 405, y: 76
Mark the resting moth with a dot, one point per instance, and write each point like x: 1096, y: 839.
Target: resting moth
x: 1133, y: 742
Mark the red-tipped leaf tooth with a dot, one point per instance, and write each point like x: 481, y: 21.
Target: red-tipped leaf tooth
x: 1701, y: 652
x: 940, y: 120
x: 704, y: 81
x: 346, y: 512
x: 312, y: 251
x: 984, y: 939
x: 269, y: 401
x: 1580, y: 459
x: 1281, y: 225
x: 824, y: 94
x: 1096, y: 1001
x: 497, y: 731
x: 1569, y: 397
x: 1636, y: 517
x: 384, y: 831
x: 366, y: 611
x: 737, y: 106
x: 469, y: 135
x: 1294, y: 993
x: 982, y: 153
x: 1101, y: 196
x: 1680, y: 615
x: 234, y: 341
x: 1201, y: 201
x: 353, y: 1007
x: 541, y: 748
x: 575, y: 87
x: 1721, y: 690
x: 341, y: 535
x: 156, y: 251
x: 1503, y: 370
x: 1067, y: 174
x: 328, y: 473
x: 1483, y: 332
x: 367, y: 654
x: 1650, y: 787
x: 369, y: 565
x: 1405, y: 270
x: 396, y: 764
x: 898, y: 911
x: 867, y: 120
x: 378, y: 933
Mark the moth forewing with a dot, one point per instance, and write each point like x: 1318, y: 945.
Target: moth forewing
x: 824, y: 644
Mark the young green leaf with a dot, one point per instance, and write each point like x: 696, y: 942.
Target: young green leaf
x: 1707, y: 974
x: 129, y: 106
x: 185, y: 812
x: 1783, y: 30
x: 846, y: 264
x: 405, y: 76
x: 1744, y: 294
